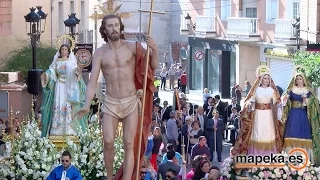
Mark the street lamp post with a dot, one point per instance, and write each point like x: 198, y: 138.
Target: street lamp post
x: 189, y: 64
x: 71, y: 23
x: 35, y: 25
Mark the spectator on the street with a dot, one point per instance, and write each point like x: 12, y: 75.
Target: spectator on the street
x: 233, y: 90
x: 163, y: 76
x: 194, y: 164
x: 194, y: 135
x: 171, y: 174
x: 247, y: 87
x: 157, y: 141
x: 238, y: 92
x: 214, y: 173
x: 201, y: 148
x: 202, y: 169
x: 170, y: 164
x: 172, y: 74
x: 183, y: 81
x: 149, y: 145
x: 177, y: 155
x: 205, y: 95
x: 157, y: 84
x: 172, y: 130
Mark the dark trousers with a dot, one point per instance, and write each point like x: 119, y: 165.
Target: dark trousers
x: 174, y: 144
x: 163, y: 83
x: 219, y: 149
x: 183, y: 88
x: 233, y: 137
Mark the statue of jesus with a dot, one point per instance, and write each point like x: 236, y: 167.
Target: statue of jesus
x: 122, y: 64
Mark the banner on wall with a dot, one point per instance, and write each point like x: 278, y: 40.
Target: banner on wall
x: 83, y: 53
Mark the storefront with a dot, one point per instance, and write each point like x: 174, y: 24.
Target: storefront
x: 212, y: 65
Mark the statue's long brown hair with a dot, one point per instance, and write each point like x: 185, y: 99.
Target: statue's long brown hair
x: 103, y: 26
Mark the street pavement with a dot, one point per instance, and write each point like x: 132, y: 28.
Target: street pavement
x: 195, y: 97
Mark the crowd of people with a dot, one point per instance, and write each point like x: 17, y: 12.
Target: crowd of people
x: 193, y: 136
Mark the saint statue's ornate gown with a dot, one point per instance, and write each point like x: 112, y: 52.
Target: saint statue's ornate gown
x: 302, y: 120
x: 64, y: 92
x: 263, y: 135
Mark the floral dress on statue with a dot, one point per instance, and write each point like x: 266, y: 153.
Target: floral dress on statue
x: 260, y: 125
x: 302, y: 120
x: 63, y: 95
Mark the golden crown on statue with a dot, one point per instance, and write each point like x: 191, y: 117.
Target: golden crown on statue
x: 262, y: 69
x: 298, y: 69
x: 61, y: 40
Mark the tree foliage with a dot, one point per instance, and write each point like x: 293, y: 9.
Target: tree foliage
x: 21, y: 60
x: 311, y: 63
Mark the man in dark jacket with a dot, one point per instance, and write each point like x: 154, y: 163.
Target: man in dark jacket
x: 201, y: 148
x: 170, y: 164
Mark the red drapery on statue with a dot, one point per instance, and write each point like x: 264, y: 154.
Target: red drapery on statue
x: 147, y: 116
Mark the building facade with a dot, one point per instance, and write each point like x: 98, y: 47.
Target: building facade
x: 248, y: 33
x: 13, y: 26
x: 60, y: 11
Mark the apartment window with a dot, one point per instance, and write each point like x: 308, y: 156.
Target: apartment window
x: 251, y: 12
x: 272, y: 10
x: 225, y: 9
x: 5, y: 17
x: 209, y: 8
x: 82, y: 15
x: 72, y: 6
x: 296, y: 9
x: 61, y: 18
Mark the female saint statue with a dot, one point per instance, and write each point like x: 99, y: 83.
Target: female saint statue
x: 260, y: 125
x: 301, y: 118
x: 63, y: 95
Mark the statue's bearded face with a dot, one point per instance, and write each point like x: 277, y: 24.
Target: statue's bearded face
x: 112, y: 29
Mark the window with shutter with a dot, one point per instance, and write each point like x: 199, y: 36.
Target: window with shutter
x: 225, y: 9
x: 272, y: 8
x: 5, y: 17
x: 251, y: 12
x: 295, y: 9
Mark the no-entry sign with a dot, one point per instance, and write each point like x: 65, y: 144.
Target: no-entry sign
x: 198, y: 55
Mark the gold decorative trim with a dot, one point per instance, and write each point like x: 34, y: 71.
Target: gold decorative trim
x: 60, y: 141
x: 66, y: 36
x: 295, y: 142
x: 263, y: 145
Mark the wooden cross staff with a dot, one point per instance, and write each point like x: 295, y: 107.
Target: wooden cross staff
x: 145, y: 83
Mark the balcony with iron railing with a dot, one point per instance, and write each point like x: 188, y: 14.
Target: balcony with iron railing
x: 202, y: 26
x: 284, y: 31
x: 243, y: 28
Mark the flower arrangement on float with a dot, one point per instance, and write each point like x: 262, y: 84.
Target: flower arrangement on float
x: 286, y: 172
x: 31, y: 156
x: 309, y: 172
x: 88, y: 156
x: 306, y: 172
x: 228, y: 170
x: 28, y: 156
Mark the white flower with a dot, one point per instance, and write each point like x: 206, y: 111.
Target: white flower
x: 300, y: 172
x: 261, y: 175
x: 284, y: 176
